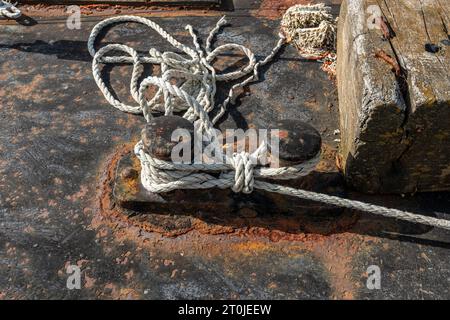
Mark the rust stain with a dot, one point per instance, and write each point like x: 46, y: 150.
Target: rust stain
x: 382, y: 55
x: 78, y: 195
x: 336, y: 251
x: 328, y: 159
x: 283, y: 134
x: 112, y: 291
x: 274, y: 9
x: 88, y: 281
x: 28, y: 90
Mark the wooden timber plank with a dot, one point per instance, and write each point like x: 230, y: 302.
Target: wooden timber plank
x: 425, y: 163
x: 417, y: 156
x: 415, y: 26
x: 372, y: 109
x: 182, y: 2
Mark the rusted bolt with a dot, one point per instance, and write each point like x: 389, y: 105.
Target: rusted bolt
x: 157, y: 135
x: 129, y: 173
x: 381, y: 54
x: 298, y: 141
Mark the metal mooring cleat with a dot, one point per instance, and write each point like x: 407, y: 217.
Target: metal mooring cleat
x: 298, y: 142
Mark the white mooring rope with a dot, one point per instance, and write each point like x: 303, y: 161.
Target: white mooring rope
x: 188, y: 84
x: 9, y: 10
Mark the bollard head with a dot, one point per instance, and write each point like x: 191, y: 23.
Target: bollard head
x: 299, y: 141
x: 157, y: 135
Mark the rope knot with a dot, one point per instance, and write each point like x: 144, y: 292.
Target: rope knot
x: 243, y: 173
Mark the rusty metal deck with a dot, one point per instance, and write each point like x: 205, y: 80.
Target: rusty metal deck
x: 60, y: 143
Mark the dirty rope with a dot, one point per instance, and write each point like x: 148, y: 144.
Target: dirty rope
x: 312, y: 30
x: 188, y: 84
x: 9, y: 10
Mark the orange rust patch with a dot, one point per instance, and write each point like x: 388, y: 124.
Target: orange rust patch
x: 29, y: 90
x: 89, y: 282
x: 78, y: 195
x: 336, y: 253
x: 251, y: 246
x: 274, y: 9
x: 283, y: 134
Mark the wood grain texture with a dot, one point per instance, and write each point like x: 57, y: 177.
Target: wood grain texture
x: 396, y: 135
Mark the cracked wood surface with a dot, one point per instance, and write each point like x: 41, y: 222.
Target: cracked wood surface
x: 395, y: 135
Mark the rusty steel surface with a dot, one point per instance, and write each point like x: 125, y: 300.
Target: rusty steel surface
x: 61, y: 144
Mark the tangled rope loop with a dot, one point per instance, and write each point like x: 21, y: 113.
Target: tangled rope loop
x: 312, y: 28
x: 9, y: 10
x: 194, y: 93
x: 194, y: 76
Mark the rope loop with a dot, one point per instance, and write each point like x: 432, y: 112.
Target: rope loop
x: 191, y: 71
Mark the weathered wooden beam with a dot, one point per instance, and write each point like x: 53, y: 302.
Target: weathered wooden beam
x: 394, y: 95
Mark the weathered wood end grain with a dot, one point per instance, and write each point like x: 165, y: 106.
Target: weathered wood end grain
x: 395, y: 127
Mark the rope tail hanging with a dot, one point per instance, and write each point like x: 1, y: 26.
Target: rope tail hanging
x: 193, y: 93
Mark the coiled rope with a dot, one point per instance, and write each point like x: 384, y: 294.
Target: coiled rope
x: 312, y: 30
x: 193, y: 93
x: 9, y: 10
